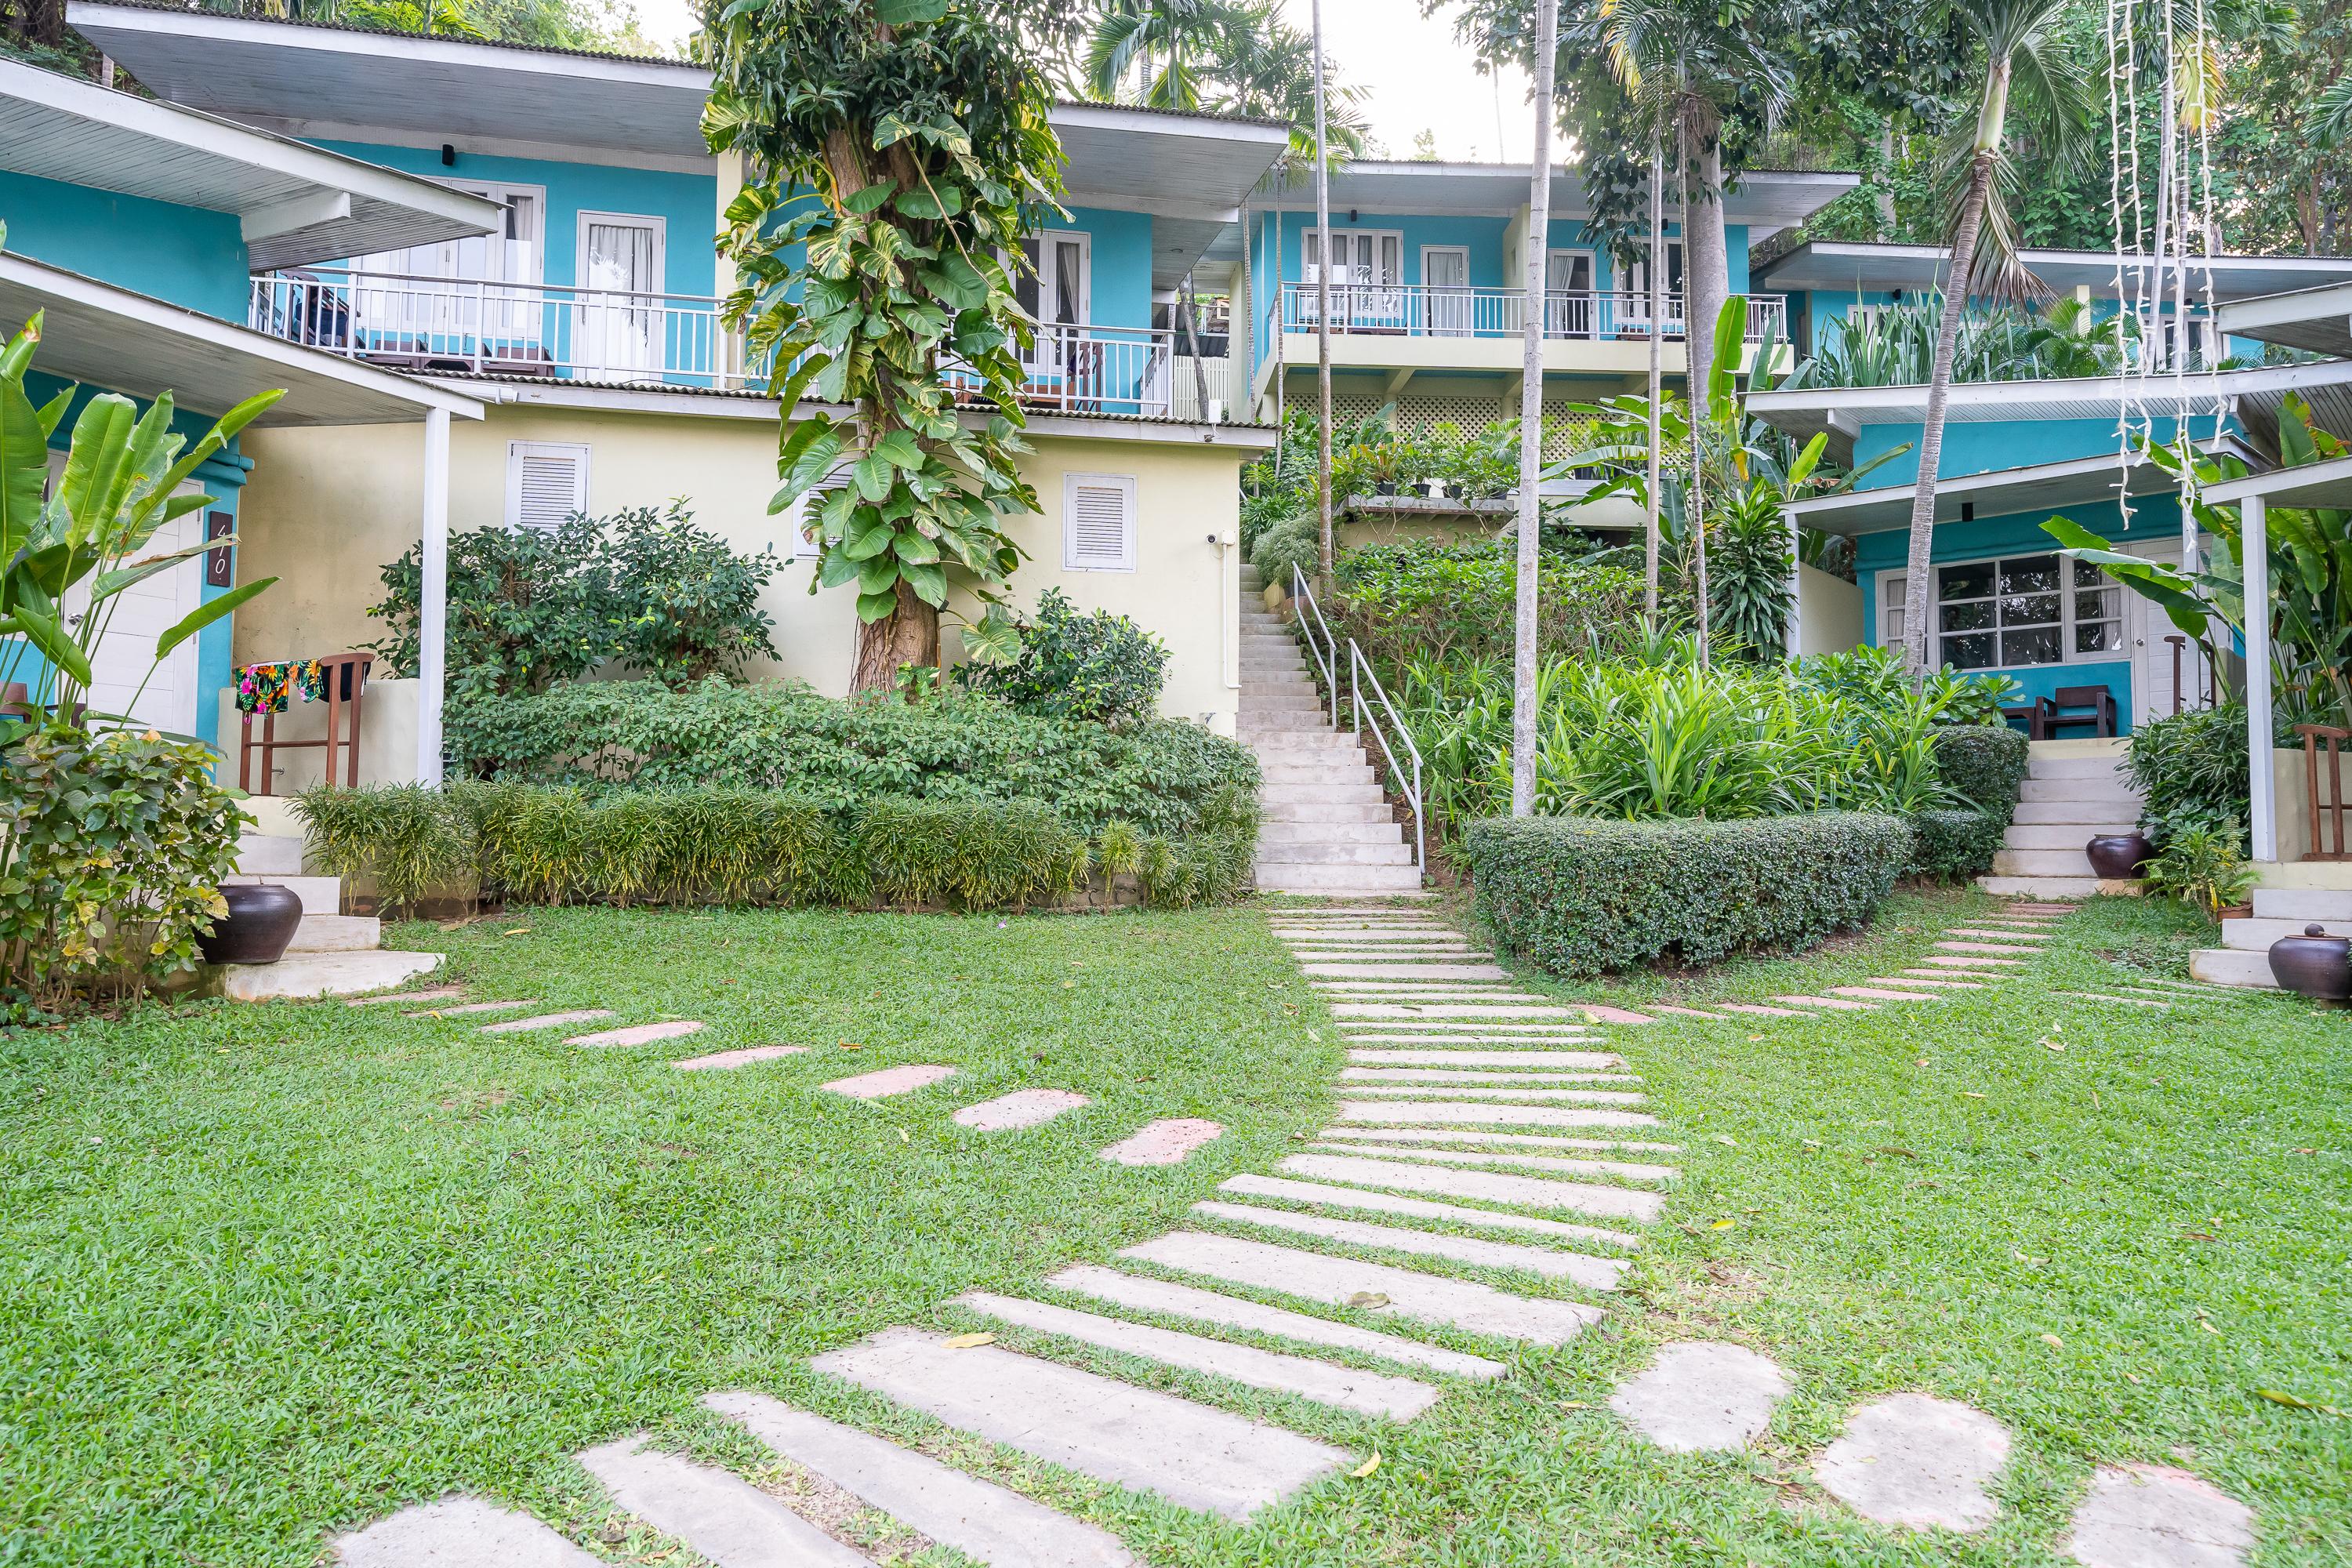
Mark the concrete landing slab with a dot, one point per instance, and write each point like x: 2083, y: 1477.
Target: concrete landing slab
x: 1341, y: 1387
x: 1624, y: 1170
x: 1592, y: 1273
x: 459, y: 1532
x: 1939, y: 984
x: 1878, y: 994
x: 717, y: 1512
x: 1595, y: 1061
x: 1144, y: 1295
x: 1164, y: 1143
x: 1195, y: 1456
x: 433, y: 994
x: 744, y: 1058
x: 2152, y: 1516
x: 1373, y: 1287
x: 302, y: 976
x: 1913, y: 1460
x: 1437, y: 1030
x: 1407, y: 1113
x: 547, y: 1021
x: 1430, y: 971
x: 889, y: 1081
x: 982, y: 1521
x: 1021, y: 1108
x: 639, y: 1034
x: 1366, y: 1202
x: 1702, y: 1398
x: 1757, y: 1010
x: 1479, y: 1186
x: 1447, y: 1010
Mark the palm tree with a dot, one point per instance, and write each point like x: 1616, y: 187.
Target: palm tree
x: 1165, y: 36
x: 1531, y: 398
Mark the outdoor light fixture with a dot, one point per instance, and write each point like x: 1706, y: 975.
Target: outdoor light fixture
x: 448, y: 156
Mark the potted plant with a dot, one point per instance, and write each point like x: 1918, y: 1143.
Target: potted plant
x: 1383, y: 466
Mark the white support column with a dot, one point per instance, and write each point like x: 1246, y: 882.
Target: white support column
x: 2262, y: 825
x: 1792, y: 630
x: 433, y: 619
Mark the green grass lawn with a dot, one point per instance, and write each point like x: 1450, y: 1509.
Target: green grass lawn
x: 273, y: 1271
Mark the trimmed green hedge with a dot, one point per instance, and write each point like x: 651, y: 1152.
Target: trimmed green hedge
x: 1981, y: 765
x: 1584, y: 896
x: 1954, y: 846
x: 536, y: 844
x: 1160, y: 775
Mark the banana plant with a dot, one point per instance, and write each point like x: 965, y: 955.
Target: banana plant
x: 116, y: 492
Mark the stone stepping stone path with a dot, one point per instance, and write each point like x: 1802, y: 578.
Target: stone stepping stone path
x: 639, y: 1034
x: 1702, y: 1398
x: 1167, y: 1142
x: 462, y: 1010
x: 2151, y: 1516
x: 888, y: 1081
x: 718, y: 1060
x: 1192, y: 1455
x: 548, y: 1021
x: 1460, y: 1115
x: 1341, y: 1387
x: 1021, y: 1108
x: 1916, y: 1461
x: 435, y: 993
x: 2161, y: 1007
x: 982, y: 1521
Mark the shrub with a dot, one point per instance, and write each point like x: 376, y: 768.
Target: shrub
x: 113, y: 848
x: 2204, y: 865
x: 1952, y: 846
x: 2192, y: 769
x: 1158, y: 773
x: 1100, y: 666
x: 1983, y: 764
x: 539, y: 843
x: 688, y: 607
x: 1427, y: 601
x: 1580, y: 896
x: 1291, y: 540
x: 1878, y: 676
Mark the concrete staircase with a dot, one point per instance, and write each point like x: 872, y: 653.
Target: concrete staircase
x: 1326, y: 828
x: 332, y: 953
x: 2244, y: 957
x: 2073, y: 791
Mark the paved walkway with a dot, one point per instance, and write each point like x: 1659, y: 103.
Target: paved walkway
x: 1480, y: 1127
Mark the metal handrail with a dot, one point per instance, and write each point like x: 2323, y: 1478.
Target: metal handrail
x: 1326, y: 654
x: 1359, y: 670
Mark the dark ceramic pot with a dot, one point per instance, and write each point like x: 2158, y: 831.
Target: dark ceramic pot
x: 1384, y: 487
x: 260, y: 922
x: 2119, y: 855
x: 2314, y: 964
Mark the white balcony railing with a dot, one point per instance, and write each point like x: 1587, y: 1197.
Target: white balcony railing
x: 1422, y: 311
x: 415, y: 323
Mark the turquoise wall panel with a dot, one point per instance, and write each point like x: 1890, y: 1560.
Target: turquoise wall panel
x: 1120, y: 246
x: 1981, y: 446
x: 192, y: 257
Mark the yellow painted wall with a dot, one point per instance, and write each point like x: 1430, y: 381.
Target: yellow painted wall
x: 326, y: 509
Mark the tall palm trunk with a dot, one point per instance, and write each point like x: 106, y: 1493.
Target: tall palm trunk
x: 1532, y: 397
x: 1918, y: 636
x: 1701, y: 362
x: 1657, y: 368
x: 1322, y: 318
x: 1706, y: 265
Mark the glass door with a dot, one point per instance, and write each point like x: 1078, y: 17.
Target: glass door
x: 619, y: 328
x: 1446, y: 283
x: 1056, y: 289
x: 1567, y: 294
x: 1633, y: 300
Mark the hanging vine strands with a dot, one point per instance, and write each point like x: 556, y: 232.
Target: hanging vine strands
x: 895, y: 153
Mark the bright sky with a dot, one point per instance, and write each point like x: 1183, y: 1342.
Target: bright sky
x: 1418, y: 78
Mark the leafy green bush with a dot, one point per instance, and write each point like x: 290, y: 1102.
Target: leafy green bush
x: 113, y: 848
x: 1101, y: 667
x: 1158, y: 773
x: 1291, y: 541
x: 2192, y: 769
x: 1878, y: 676
x: 1580, y: 896
x: 1952, y: 846
x: 2204, y: 863
x: 529, y: 606
x: 539, y: 843
x: 1983, y: 764
x: 1430, y: 601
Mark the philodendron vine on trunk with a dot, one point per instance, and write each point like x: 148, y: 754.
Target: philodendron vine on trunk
x: 894, y: 153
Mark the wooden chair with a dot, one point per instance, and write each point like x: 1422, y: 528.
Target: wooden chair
x: 2029, y: 715
x: 346, y: 684
x: 2060, y: 710
x: 2328, y: 808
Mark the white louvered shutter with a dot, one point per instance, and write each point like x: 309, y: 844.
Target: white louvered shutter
x: 1098, y: 522
x: 547, y: 481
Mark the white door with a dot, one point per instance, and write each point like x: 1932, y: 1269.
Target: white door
x: 2145, y: 629
x: 133, y: 619
x: 1567, y: 294
x: 1367, y: 278
x: 457, y: 297
x: 1445, y: 282
x: 619, y: 327
x: 1632, y: 299
x: 1058, y: 294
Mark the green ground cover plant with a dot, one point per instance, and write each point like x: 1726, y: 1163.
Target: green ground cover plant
x: 1423, y: 601
x: 1158, y: 773
x: 320, y: 1263
x: 1581, y: 895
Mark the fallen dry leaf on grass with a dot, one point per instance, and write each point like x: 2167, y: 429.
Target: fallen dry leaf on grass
x: 1368, y: 1299
x: 1368, y: 1467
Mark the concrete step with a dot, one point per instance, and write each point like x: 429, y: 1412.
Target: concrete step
x: 719, y: 1514
x: 1306, y: 810
x: 1358, y: 789
x: 1333, y: 853
x: 2074, y: 768
x: 2058, y: 836
x: 2089, y: 815
x: 298, y: 976
x: 336, y: 933
x: 1299, y: 699
x: 1277, y: 832
x: 2058, y: 889
x: 1289, y: 876
x: 2232, y: 967
x: 1319, y: 739
x: 320, y: 895
x: 269, y: 855
x: 2081, y: 790
x: 2042, y: 863
x: 2301, y: 904
x: 2256, y: 936
x: 1277, y: 681
x: 1307, y: 715
x: 1310, y: 775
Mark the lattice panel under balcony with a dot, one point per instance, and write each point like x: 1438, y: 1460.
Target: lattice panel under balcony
x: 1468, y: 412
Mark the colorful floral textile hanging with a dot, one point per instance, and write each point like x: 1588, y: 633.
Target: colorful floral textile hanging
x: 264, y: 688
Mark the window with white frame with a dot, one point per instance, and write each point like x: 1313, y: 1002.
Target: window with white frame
x: 1098, y: 522
x: 2013, y: 611
x: 547, y: 481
